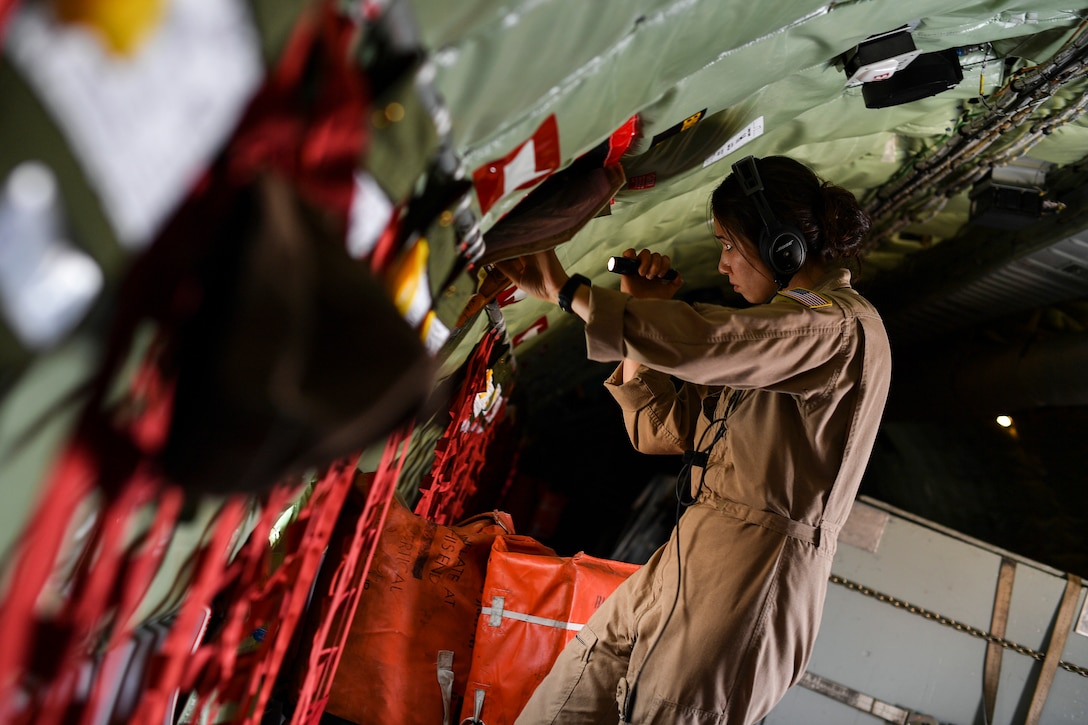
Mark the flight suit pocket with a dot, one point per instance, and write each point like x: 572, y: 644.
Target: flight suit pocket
x: 580, y: 687
x: 581, y: 650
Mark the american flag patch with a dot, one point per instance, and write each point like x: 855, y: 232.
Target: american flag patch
x: 809, y: 299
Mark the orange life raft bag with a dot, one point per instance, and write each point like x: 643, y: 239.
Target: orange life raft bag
x: 407, y: 656
x: 534, y: 602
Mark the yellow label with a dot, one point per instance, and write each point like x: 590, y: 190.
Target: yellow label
x: 122, y: 23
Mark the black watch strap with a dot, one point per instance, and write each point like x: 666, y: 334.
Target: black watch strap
x: 566, y: 294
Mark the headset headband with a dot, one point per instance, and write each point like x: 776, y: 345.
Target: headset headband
x: 752, y: 185
x: 781, y: 246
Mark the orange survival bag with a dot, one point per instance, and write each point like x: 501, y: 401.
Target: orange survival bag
x: 407, y: 656
x: 534, y: 602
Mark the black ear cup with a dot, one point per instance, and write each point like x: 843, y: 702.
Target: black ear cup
x: 783, y: 250
x: 782, y: 246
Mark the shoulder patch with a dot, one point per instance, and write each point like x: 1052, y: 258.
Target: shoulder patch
x: 811, y: 300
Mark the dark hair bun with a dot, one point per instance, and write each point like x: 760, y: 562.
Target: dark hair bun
x: 844, y: 223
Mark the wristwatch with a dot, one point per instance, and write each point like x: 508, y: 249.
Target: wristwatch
x: 566, y: 293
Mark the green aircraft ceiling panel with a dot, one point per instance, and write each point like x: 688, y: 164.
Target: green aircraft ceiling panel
x: 509, y: 66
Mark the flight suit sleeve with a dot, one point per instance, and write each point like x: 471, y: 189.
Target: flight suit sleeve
x: 659, y: 418
x: 782, y: 346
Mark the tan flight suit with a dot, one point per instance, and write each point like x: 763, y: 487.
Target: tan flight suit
x: 756, y: 547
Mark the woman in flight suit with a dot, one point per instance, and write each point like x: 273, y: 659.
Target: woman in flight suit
x: 784, y: 399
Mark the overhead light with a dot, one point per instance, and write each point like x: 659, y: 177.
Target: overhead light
x: 1009, y: 426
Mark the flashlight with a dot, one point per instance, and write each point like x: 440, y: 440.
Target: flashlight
x: 627, y: 265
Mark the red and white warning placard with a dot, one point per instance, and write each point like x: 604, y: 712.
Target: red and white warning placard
x: 529, y: 163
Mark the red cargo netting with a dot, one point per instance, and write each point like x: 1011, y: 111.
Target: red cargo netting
x: 461, y: 453
x: 75, y: 650
x: 348, y: 567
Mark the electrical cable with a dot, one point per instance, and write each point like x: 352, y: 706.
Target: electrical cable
x: 683, y: 500
x: 941, y: 172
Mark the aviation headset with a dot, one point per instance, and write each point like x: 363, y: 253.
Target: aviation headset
x: 782, y: 246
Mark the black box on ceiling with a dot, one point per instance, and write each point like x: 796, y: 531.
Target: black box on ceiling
x: 928, y: 75
x: 1000, y: 206
x: 897, y: 47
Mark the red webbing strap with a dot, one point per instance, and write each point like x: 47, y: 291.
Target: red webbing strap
x: 273, y: 602
x: 64, y: 607
x: 317, y: 140
x: 216, y: 679
x: 347, y: 584
x: 34, y: 559
x: 178, y: 659
x: 319, y: 518
x: 132, y: 575
x: 381, y: 494
x: 124, y: 581
x: 247, y: 589
x: 120, y: 578
x: 107, y: 586
x: 462, y: 451
x: 142, y: 570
